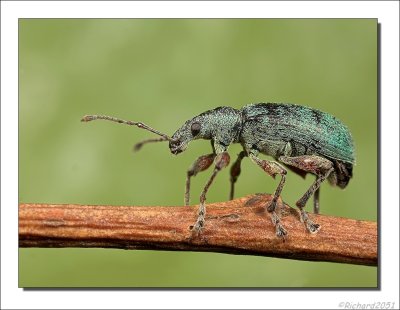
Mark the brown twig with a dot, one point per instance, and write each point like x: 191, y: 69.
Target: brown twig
x: 240, y: 226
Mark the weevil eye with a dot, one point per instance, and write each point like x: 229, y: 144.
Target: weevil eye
x: 195, y: 128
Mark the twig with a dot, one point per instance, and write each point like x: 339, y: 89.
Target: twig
x: 240, y: 226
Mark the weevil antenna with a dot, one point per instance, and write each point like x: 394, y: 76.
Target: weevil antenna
x: 89, y: 118
x: 140, y: 144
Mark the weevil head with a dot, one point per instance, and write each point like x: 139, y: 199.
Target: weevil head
x: 222, y: 123
x: 193, y: 129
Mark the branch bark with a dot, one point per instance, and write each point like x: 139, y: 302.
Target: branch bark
x: 240, y: 226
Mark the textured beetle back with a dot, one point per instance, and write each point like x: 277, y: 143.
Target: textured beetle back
x: 320, y: 132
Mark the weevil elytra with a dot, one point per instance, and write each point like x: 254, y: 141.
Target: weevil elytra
x: 299, y: 138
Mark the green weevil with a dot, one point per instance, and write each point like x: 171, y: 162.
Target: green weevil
x: 303, y: 139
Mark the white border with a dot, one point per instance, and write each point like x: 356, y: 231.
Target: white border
x: 14, y: 298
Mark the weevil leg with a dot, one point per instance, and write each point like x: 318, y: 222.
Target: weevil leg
x: 317, y: 165
x: 273, y: 168
x: 316, y: 201
x: 202, y: 163
x: 221, y: 161
x: 235, y: 172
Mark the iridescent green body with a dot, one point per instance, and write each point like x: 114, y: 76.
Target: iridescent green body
x: 309, y: 131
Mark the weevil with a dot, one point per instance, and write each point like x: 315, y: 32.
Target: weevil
x: 299, y: 138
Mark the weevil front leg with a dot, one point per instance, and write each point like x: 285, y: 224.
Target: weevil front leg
x: 317, y: 165
x: 235, y: 172
x: 273, y: 168
x: 221, y: 161
x: 202, y: 163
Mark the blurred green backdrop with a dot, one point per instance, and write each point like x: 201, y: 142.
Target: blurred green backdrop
x: 163, y: 72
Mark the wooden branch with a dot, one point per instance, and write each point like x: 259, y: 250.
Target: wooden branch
x: 240, y: 226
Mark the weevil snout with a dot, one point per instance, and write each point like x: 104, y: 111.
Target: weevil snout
x: 189, y: 131
x: 177, y: 146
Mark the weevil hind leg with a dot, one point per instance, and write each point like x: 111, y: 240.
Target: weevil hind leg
x: 235, y: 172
x: 319, y: 166
x: 273, y: 169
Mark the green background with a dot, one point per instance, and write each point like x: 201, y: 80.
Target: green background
x: 163, y: 72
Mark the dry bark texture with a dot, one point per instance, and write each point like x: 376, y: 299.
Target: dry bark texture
x: 240, y: 226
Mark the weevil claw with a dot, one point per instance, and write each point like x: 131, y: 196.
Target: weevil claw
x: 197, y: 228
x: 281, y: 232
x: 312, y: 227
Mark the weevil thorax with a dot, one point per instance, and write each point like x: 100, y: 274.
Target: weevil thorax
x: 222, y: 125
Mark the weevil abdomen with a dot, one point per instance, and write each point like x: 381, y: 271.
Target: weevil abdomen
x: 310, y: 130
x: 292, y: 130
